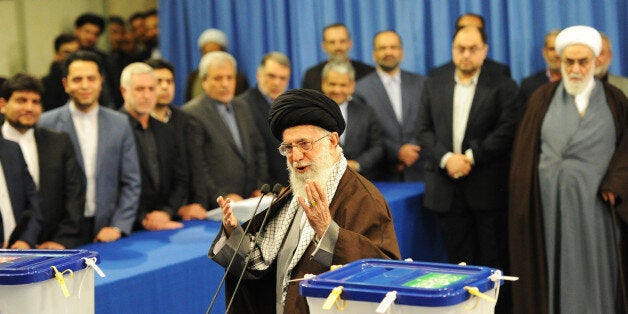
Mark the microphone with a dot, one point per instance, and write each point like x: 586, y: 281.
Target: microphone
x: 276, y: 190
x: 264, y: 190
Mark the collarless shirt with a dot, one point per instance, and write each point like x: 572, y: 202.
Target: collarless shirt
x: 392, y: 85
x: 86, y: 126
x: 29, y: 148
x: 463, y: 99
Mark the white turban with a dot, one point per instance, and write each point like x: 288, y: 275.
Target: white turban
x: 579, y: 34
x: 212, y: 35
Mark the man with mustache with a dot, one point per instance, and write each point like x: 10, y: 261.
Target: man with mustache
x: 552, y: 71
x: 336, y: 44
x: 570, y: 156
x: 394, y: 95
x: 329, y: 215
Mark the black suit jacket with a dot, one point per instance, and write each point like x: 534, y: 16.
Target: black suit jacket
x: 313, y: 76
x: 494, y: 67
x: 169, y: 193
x: 219, y: 166
x: 277, y: 168
x: 495, y: 111
x: 61, y: 187
x: 23, y: 194
x: 364, y: 140
x: 180, y: 123
x: 531, y: 83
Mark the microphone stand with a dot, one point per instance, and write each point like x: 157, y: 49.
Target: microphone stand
x: 265, y: 189
x: 276, y: 189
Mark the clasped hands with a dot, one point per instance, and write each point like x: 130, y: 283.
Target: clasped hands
x: 458, y: 166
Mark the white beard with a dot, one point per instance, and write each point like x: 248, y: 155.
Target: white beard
x: 575, y: 87
x: 319, y: 171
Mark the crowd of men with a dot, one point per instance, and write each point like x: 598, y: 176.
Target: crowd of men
x: 519, y: 178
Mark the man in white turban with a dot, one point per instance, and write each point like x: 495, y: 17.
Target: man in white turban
x: 570, y: 161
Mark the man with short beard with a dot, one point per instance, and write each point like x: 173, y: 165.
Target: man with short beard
x: 336, y: 44
x: 329, y: 215
x: 570, y: 156
x: 551, y: 73
x: 394, y: 95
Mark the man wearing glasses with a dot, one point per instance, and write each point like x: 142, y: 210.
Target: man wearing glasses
x: 570, y: 156
x: 466, y: 125
x: 329, y: 215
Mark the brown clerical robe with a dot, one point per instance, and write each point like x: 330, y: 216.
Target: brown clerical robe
x: 527, y: 249
x: 366, y: 231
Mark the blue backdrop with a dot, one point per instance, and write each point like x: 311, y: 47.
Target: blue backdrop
x: 515, y: 28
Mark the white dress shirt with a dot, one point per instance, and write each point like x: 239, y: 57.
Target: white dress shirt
x: 29, y: 148
x: 463, y: 99
x: 343, y: 110
x: 392, y: 84
x: 86, y: 126
x: 6, y: 209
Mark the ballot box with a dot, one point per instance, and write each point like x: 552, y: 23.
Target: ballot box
x: 47, y: 281
x: 387, y: 286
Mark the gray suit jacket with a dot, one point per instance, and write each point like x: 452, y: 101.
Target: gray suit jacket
x: 619, y: 82
x: 118, y: 180
x: 364, y: 141
x: 371, y: 91
x: 218, y: 166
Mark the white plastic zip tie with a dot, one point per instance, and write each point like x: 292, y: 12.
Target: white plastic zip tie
x: 91, y: 262
x: 387, y: 302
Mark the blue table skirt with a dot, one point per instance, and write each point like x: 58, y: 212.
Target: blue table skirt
x: 169, y: 272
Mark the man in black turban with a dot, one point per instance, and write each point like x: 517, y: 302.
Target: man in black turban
x: 329, y: 215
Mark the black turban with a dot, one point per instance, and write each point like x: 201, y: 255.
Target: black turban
x: 304, y: 106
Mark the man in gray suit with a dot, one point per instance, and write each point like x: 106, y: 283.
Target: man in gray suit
x: 362, y: 141
x: 229, y: 152
x: 394, y: 95
x: 603, y: 62
x: 104, y: 147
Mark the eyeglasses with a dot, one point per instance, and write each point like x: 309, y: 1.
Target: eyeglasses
x: 472, y: 50
x: 303, y: 146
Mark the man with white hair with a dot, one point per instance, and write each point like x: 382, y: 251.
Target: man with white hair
x: 570, y: 156
x: 603, y: 63
x: 164, y: 178
x: 330, y: 215
x: 210, y: 40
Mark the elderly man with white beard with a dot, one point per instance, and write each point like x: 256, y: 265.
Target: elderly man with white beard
x: 330, y: 215
x: 570, y: 157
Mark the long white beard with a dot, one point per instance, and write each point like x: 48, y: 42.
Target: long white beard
x: 575, y: 87
x: 319, y: 171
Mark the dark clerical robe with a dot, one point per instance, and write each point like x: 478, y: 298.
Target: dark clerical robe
x: 542, y: 161
x: 366, y: 230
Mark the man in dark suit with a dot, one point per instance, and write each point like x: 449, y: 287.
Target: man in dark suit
x: 466, y: 125
x: 51, y: 161
x: 54, y: 94
x: 166, y: 112
x: 362, y: 142
x: 229, y: 154
x: 273, y: 75
x: 550, y: 74
x: 20, y: 214
x: 336, y: 44
x: 394, y: 95
x: 163, y: 176
x: 489, y: 65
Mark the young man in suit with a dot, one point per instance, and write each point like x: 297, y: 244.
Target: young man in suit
x: 466, y: 126
x: 230, y: 157
x: 105, y: 149
x: 273, y: 76
x: 51, y: 162
x: 362, y: 141
x: 336, y: 44
x: 394, y: 95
